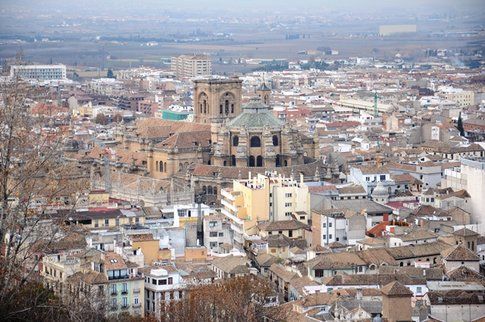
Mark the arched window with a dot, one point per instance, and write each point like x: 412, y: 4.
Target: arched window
x: 235, y: 140
x: 220, y: 109
x: 165, y: 166
x: 255, y: 142
x: 275, y: 140
x: 259, y: 161
x: 156, y: 165
x: 201, y: 107
x: 209, y: 190
x: 232, y: 108
x: 204, y: 190
x: 226, y: 106
x: 278, y: 161
x: 233, y: 160
x: 285, y: 163
x: 251, y: 161
x: 205, y: 106
x: 161, y: 167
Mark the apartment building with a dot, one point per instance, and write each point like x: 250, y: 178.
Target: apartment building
x: 114, y: 282
x: 266, y: 197
x: 38, y: 72
x: 188, y: 66
x: 163, y: 284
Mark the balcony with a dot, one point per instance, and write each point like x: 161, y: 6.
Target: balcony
x: 232, y: 217
x: 227, y: 195
x: 125, y: 307
x: 229, y: 206
x: 124, y: 292
x: 114, y: 293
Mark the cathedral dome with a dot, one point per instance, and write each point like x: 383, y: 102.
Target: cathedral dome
x: 255, y: 115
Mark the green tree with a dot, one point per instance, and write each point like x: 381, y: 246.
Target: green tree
x: 459, y: 125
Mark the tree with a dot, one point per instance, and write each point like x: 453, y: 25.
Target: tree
x: 110, y: 74
x: 459, y: 125
x: 101, y: 119
x: 235, y: 299
x: 33, y: 175
x: 117, y: 118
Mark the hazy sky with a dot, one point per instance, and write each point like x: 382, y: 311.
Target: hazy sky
x: 150, y: 7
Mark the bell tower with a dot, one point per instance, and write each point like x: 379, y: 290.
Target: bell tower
x: 217, y: 99
x: 264, y: 93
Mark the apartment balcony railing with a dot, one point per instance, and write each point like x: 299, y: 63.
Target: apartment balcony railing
x: 114, y: 293
x: 124, y: 292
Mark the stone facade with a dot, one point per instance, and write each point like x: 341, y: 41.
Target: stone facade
x: 256, y: 138
x: 216, y: 99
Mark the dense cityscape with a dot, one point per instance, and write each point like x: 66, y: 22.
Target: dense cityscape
x: 245, y: 163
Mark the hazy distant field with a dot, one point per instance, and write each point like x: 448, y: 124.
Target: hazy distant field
x: 117, y: 55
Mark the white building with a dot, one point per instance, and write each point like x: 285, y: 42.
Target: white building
x: 38, y: 72
x: 163, y: 284
x: 191, y: 66
x: 471, y: 177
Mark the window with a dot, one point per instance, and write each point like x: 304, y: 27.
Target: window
x: 275, y: 140
x: 125, y: 301
x: 325, y: 237
x: 382, y: 177
x: 136, y: 300
x: 113, y: 288
x: 251, y: 162
x: 170, y: 280
x: 213, y: 234
x: 221, y: 234
x: 288, y: 204
x: 319, y: 273
x: 329, y: 224
x: 106, y: 222
x: 329, y: 236
x: 113, y: 302
x: 259, y: 161
x: 255, y: 142
x: 324, y: 225
x: 125, y: 287
x: 288, y: 195
x: 235, y: 140
x: 419, y: 290
x: 154, y: 281
x: 212, y: 244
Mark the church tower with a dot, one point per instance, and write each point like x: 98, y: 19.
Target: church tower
x: 217, y: 99
x: 264, y: 93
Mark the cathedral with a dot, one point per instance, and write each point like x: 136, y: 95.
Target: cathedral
x: 228, y: 140
x: 246, y: 138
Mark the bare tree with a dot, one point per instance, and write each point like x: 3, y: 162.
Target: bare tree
x: 33, y: 176
x: 236, y: 299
